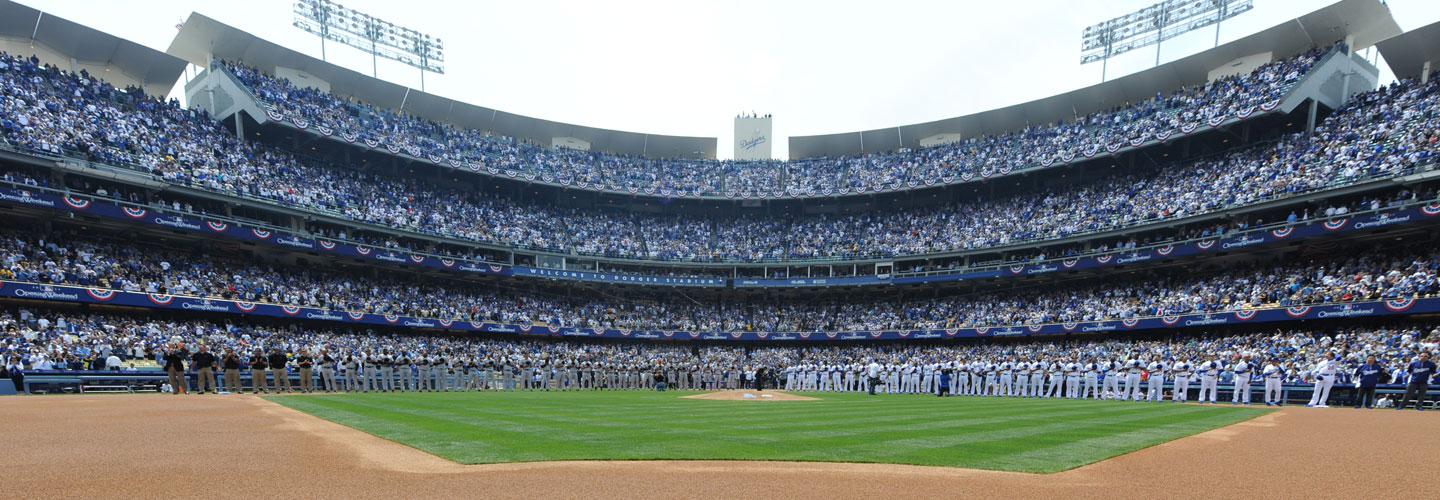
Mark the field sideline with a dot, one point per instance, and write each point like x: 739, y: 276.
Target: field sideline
x: 1023, y: 435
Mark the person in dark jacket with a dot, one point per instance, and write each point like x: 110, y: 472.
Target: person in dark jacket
x: 1367, y: 375
x: 277, y: 362
x: 204, y: 365
x: 175, y: 368
x: 231, y: 364
x: 257, y: 371
x: 1420, y: 372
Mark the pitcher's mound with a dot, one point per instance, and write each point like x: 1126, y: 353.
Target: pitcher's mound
x: 741, y: 395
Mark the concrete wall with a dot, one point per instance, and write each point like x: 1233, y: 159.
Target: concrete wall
x: 938, y: 139
x: 302, y: 79
x: 569, y: 142
x: 1243, y: 65
x: 48, y: 55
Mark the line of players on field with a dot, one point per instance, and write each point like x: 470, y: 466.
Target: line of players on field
x: 1136, y: 379
x: 402, y: 372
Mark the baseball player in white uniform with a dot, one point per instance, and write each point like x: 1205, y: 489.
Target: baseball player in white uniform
x: 1072, y: 374
x: 1274, y: 376
x: 1111, y: 382
x: 1324, y: 373
x: 1092, y: 380
x: 1241, y: 369
x: 1134, y: 372
x: 1209, y: 380
x: 1037, y: 379
x: 990, y: 372
x: 1182, y: 381
x: 1054, y: 377
x: 1022, y: 379
x: 1007, y: 378
x: 1157, y: 380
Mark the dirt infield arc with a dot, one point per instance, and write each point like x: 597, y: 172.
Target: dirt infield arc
x: 755, y: 396
x: 144, y: 446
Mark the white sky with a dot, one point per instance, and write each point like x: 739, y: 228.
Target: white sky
x: 688, y: 67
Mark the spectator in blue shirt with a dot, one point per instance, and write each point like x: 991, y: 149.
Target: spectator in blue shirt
x: 1366, y: 376
x: 1420, y: 372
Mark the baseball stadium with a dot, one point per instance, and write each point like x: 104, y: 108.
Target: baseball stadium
x: 237, y: 265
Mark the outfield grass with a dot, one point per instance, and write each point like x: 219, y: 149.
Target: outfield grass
x: 1027, y: 435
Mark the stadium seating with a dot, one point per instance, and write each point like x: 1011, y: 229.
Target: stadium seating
x: 1015, y: 150
x: 77, y: 260
x: 44, y: 110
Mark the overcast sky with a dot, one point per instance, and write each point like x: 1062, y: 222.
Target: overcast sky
x: 688, y: 67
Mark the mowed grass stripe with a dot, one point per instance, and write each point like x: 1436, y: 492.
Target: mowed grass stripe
x: 1077, y: 452
x: 1032, y: 435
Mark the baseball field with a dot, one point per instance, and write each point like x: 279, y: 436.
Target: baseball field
x: 1025, y: 435
x: 601, y: 445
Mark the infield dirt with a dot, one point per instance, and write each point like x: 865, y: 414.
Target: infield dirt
x: 739, y: 395
x: 241, y: 446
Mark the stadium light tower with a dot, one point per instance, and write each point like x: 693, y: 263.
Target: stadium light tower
x: 335, y: 22
x: 1152, y: 26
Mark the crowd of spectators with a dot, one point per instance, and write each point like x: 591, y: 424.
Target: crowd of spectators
x: 42, y: 108
x: 1011, y: 150
x: 1397, y: 273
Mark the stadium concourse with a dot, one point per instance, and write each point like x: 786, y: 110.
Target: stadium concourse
x: 1254, y: 225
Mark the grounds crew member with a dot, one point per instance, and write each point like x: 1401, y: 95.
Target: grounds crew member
x: 257, y: 372
x: 306, y: 365
x: 204, y: 364
x: 175, y: 368
x: 231, y: 364
x: 277, y: 361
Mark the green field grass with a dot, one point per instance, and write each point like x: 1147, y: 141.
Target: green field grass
x: 1027, y: 435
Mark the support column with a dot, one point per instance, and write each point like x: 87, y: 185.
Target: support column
x: 1310, y: 119
x: 239, y: 124
x: 1425, y: 72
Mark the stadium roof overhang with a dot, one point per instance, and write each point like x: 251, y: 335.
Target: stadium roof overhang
x: 1368, y: 21
x: 157, y: 70
x: 202, y: 37
x: 1407, y: 54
